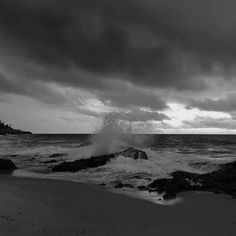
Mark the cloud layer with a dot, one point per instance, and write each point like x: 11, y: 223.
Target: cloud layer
x: 152, y: 43
x: 126, y: 54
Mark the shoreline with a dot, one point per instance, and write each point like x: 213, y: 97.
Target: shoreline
x: 43, y: 207
x: 154, y: 198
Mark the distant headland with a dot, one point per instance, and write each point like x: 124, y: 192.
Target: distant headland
x: 7, y: 129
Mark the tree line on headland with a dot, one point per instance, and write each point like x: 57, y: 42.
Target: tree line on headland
x: 7, y: 129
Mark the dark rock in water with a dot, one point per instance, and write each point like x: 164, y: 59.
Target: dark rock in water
x: 199, y: 164
x: 50, y: 161
x: 134, y: 154
x: 169, y: 195
x: 121, y: 185
x: 81, y: 164
x: 6, y: 164
x: 143, y: 188
x: 222, y: 180
x: 140, y: 177
x: 57, y: 155
x: 97, y: 161
x: 137, y: 177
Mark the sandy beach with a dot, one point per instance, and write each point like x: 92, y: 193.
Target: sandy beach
x: 42, y: 207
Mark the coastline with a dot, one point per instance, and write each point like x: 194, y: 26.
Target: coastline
x: 43, y: 207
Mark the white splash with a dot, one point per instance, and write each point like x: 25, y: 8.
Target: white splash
x: 112, y: 132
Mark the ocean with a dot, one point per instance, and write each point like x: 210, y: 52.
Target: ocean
x: 34, y: 155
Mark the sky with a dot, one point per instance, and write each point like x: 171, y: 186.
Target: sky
x: 161, y: 66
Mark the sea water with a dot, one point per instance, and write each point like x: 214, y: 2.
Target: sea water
x: 32, y: 154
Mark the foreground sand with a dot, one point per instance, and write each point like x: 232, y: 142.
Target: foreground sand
x: 33, y: 207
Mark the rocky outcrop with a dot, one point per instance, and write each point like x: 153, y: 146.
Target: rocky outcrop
x: 50, y: 161
x: 57, y: 155
x: 223, y: 180
x: 97, y: 161
x: 6, y: 164
x: 81, y: 164
x: 133, y: 153
x: 121, y: 185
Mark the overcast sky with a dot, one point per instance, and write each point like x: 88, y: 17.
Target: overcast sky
x: 166, y: 66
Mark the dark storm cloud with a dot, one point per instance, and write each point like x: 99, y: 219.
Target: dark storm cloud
x: 34, y: 89
x: 150, y: 43
x: 140, y: 117
x: 52, y: 97
x: 111, y: 93
x: 125, y: 96
x: 227, y: 104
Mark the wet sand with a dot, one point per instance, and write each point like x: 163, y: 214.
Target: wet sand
x: 39, y: 207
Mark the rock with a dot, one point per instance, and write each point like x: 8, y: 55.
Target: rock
x: 50, y: 161
x: 121, y: 185
x: 6, y: 164
x: 81, y: 164
x: 222, y: 180
x: 141, y: 177
x: 97, y: 161
x: 137, y: 177
x: 134, y: 154
x: 57, y: 155
x: 143, y: 188
x: 169, y: 195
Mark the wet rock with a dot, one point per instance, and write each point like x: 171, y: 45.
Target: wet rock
x: 97, y: 161
x: 6, y: 164
x: 137, y: 177
x: 169, y: 195
x: 57, y: 155
x: 121, y: 185
x: 223, y: 180
x: 134, y: 154
x: 50, y: 161
x: 140, y: 177
x: 143, y: 188
x: 81, y: 164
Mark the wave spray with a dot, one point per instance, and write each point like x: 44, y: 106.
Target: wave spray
x: 112, y: 131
